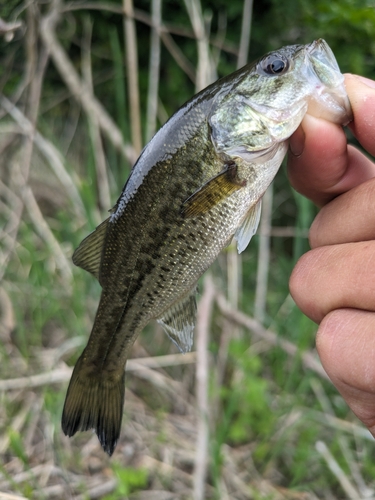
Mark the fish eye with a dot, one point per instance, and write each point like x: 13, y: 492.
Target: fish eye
x: 274, y: 65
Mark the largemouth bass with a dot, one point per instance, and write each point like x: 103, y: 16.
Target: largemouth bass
x: 196, y: 185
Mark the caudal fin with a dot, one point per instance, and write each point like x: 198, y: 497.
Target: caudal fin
x: 95, y: 400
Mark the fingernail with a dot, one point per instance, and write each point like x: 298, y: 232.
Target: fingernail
x: 297, y: 142
x: 366, y: 81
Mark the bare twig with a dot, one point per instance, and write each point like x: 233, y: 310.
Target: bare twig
x: 7, y: 320
x: 263, y: 257
x: 143, y: 17
x: 203, y: 325
x: 7, y: 29
x: 234, y: 278
x: 343, y: 425
x: 96, y: 140
x: 205, y: 71
x: 234, y: 268
x: 47, y: 235
x: 342, y: 440
x: 309, y: 360
x: 99, y: 491
x: 289, y: 232
x: 154, y: 69
x: 218, y: 41
x: 49, y: 151
x: 132, y: 74
x: 31, y: 428
x: 351, y: 492
x: 8, y: 234
x: 167, y: 385
x: 37, y: 62
x: 63, y: 374
x: 245, y: 33
x: 151, y: 464
x: 228, y: 330
x: 10, y: 496
x: 177, y: 54
x: 79, y: 90
x: 31, y: 43
x: 164, y: 32
x: 17, y: 423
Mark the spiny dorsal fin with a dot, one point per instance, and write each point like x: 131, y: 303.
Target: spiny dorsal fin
x: 249, y: 227
x: 212, y: 192
x: 179, y: 321
x: 89, y: 253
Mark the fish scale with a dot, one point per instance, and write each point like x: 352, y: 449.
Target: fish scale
x: 196, y: 185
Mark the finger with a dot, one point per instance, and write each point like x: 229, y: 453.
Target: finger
x: 322, y: 161
x: 361, y: 92
x: 335, y: 277
x: 323, y: 165
x: 348, y: 218
x: 346, y: 346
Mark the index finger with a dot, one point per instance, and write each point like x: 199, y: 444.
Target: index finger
x: 323, y: 165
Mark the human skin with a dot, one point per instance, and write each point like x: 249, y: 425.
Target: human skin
x: 334, y: 283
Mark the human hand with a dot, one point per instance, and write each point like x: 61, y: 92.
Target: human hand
x: 334, y: 283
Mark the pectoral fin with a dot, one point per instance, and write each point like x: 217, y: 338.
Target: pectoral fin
x: 89, y: 253
x: 212, y: 192
x: 179, y: 321
x: 249, y: 227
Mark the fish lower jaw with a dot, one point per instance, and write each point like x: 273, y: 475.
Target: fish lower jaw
x: 333, y: 108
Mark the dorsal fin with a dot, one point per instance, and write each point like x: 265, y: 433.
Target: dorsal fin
x: 89, y: 253
x: 179, y: 321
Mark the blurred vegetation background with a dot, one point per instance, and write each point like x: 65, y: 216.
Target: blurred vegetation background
x: 83, y: 86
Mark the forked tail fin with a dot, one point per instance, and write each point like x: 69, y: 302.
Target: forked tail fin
x: 95, y: 400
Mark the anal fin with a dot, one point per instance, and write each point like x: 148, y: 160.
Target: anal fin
x: 89, y: 253
x: 179, y: 322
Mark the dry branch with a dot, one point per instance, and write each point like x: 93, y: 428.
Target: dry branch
x: 164, y: 32
x: 234, y: 275
x: 264, y: 255
x: 49, y: 151
x: 177, y: 54
x: 36, y: 64
x: 7, y: 319
x: 202, y: 329
x: 132, y: 74
x: 63, y: 374
x: 143, y: 17
x: 342, y: 425
x: 7, y: 29
x: 47, y: 235
x: 10, y: 496
x: 17, y: 423
x: 206, y: 73
x: 79, y: 90
x: 96, y: 140
x: 245, y: 33
x: 154, y: 70
x: 350, y: 491
x: 308, y: 359
x: 99, y: 491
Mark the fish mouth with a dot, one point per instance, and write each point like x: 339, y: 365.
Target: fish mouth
x: 321, y: 46
x: 329, y: 99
